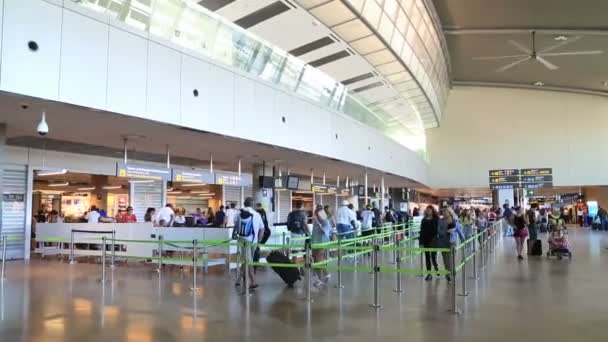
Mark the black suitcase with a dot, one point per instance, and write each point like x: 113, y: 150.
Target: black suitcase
x: 289, y: 274
x: 537, y: 247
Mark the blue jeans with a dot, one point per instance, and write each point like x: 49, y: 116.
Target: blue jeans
x: 345, y: 231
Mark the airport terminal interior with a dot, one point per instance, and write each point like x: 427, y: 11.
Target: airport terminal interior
x: 303, y: 170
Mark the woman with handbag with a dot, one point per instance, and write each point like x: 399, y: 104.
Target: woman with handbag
x: 521, y: 232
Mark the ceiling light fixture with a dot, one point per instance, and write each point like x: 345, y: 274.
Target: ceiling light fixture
x: 605, y: 83
x: 174, y: 193
x: 560, y: 38
x: 194, y: 184
x: 539, y: 84
x: 141, y: 181
x: 87, y: 189
x: 51, y: 172
x: 111, y: 187
x: 59, y: 184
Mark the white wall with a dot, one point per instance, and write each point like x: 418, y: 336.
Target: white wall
x: 92, y: 60
x: 494, y: 128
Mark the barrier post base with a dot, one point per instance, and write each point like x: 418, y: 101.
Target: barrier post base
x: 398, y: 291
x: 375, y: 306
x: 465, y: 294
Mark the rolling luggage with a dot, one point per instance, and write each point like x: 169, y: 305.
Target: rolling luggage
x: 535, y: 247
x: 289, y: 274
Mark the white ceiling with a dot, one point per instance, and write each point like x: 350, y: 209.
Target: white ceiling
x: 297, y: 27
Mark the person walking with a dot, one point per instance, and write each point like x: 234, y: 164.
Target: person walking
x: 428, y: 237
x: 520, y: 232
x: 248, y: 227
x: 321, y: 230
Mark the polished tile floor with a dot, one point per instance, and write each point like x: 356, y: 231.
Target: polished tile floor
x: 531, y: 300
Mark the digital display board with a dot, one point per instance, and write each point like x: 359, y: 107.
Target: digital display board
x: 323, y: 188
x: 504, y: 172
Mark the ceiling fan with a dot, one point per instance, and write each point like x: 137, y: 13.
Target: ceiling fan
x: 538, y: 56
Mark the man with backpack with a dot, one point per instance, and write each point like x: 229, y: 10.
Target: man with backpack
x: 248, y: 229
x: 297, y: 222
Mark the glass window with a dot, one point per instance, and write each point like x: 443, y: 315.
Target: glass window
x: 386, y: 28
x: 390, y: 8
x: 402, y: 22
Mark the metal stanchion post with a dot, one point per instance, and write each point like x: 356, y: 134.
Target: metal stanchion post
x: 246, y: 251
x: 464, y: 272
x: 421, y: 261
x: 194, y: 265
x: 103, y: 258
x: 284, y: 247
x: 205, y: 260
x: 398, y: 288
x: 339, y: 285
x: 308, y: 266
x: 113, y: 254
x: 376, y: 304
x: 72, y: 261
x: 160, y: 254
x: 454, y: 308
x: 475, y: 256
x: 3, y: 275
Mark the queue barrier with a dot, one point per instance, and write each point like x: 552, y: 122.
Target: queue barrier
x: 389, y: 239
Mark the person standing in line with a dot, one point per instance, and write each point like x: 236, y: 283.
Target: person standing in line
x: 482, y: 223
x: 321, y: 231
x: 210, y: 215
x: 367, y: 221
x: 248, y: 227
x: 416, y: 212
x: 377, y: 217
x: 428, y: 238
x: 446, y: 237
x: 231, y: 215
x: 345, y: 221
x: 521, y: 232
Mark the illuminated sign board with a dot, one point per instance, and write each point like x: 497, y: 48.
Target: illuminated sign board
x: 142, y: 171
x: 191, y: 176
x: 323, y: 189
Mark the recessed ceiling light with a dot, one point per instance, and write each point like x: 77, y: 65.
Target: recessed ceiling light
x: 59, y: 184
x: 605, y: 83
x: 539, y: 84
x: 560, y: 38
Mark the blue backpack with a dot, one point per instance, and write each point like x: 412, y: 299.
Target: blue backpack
x: 245, y: 227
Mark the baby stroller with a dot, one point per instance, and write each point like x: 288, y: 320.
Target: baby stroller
x: 559, y: 245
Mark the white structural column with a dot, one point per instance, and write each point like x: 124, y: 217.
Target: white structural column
x: 366, y: 194
x: 382, y: 194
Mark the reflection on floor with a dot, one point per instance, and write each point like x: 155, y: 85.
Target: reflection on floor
x: 536, y: 299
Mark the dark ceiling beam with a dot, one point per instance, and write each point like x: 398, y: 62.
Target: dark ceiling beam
x: 547, y: 31
x: 529, y: 86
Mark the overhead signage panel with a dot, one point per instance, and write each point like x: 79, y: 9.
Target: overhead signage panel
x: 323, y: 189
x: 503, y: 186
x: 142, y: 171
x: 228, y: 179
x: 504, y: 179
x: 536, y: 185
x: 536, y: 172
x: 344, y: 192
x: 537, y: 179
x: 504, y: 172
x: 192, y: 176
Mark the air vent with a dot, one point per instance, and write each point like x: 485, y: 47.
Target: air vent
x: 289, y: 3
x: 368, y: 87
x: 262, y: 14
x: 357, y: 78
x: 306, y: 48
x: 214, y: 5
x: 328, y: 59
x: 334, y: 37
